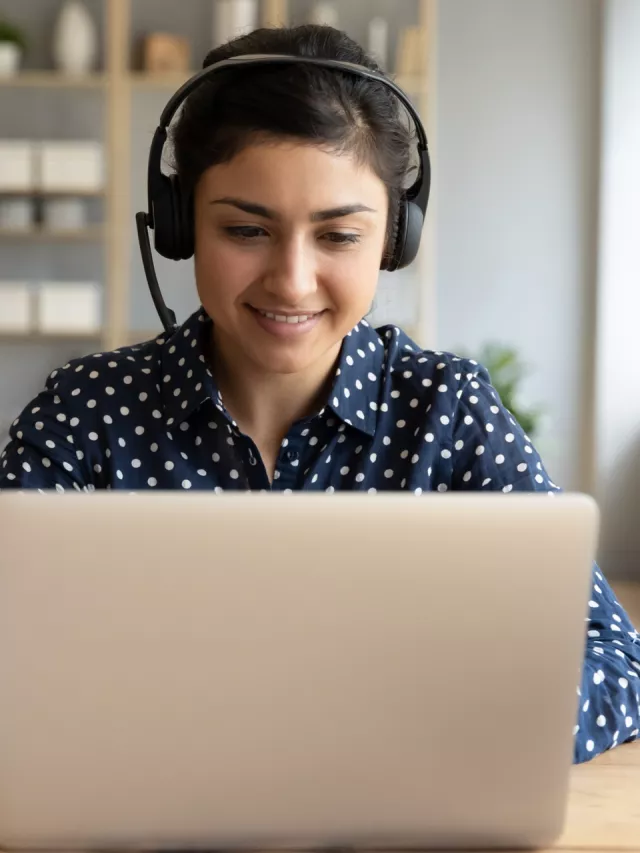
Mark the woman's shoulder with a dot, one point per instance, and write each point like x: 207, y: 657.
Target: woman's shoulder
x: 107, y: 374
x: 420, y: 368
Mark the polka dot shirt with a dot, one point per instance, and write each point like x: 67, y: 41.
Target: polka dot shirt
x: 397, y: 418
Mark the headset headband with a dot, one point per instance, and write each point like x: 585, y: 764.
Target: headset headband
x: 417, y: 194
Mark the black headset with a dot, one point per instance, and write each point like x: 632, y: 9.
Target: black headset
x: 171, y: 213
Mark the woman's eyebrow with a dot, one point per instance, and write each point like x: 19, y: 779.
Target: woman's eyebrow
x: 319, y: 216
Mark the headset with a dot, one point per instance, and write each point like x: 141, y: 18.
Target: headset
x: 170, y: 212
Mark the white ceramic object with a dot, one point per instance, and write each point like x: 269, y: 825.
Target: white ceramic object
x: 325, y: 13
x: 232, y: 18
x: 75, y: 40
x: 15, y: 307
x: 378, y: 42
x: 69, y: 307
x: 16, y: 214
x: 71, y: 166
x: 10, y: 55
x: 16, y: 165
x: 64, y: 214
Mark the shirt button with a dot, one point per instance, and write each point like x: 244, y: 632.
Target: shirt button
x: 291, y: 455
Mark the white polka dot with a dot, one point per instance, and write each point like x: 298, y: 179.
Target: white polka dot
x: 427, y: 383
x: 93, y: 436
x: 400, y: 424
x: 623, y: 683
x: 26, y: 467
x: 479, y: 450
x: 468, y: 420
x: 156, y: 414
x: 442, y: 487
x: 344, y: 470
x: 186, y: 484
x: 67, y: 466
x: 373, y: 457
x: 359, y: 478
x: 233, y: 474
x: 444, y: 419
x: 499, y: 459
x: 169, y: 465
x: 152, y: 482
x: 601, y: 720
x: 446, y: 454
x: 386, y: 440
x: 91, y: 404
x: 429, y: 437
x: 388, y: 473
x: 589, y: 745
x: 509, y: 437
x: 46, y: 462
x: 136, y: 463
x: 628, y: 722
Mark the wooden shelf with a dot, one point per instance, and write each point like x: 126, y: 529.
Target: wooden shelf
x: 39, y: 193
x: 53, y: 80
x: 412, y: 84
x: 172, y: 80
x: 43, y: 235
x: 47, y: 337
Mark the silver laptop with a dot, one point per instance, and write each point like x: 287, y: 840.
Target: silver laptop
x: 278, y: 671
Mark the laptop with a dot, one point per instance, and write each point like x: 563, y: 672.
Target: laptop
x: 289, y: 671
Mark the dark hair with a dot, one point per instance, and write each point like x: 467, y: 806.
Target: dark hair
x: 334, y: 109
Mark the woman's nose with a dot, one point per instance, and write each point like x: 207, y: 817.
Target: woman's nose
x: 292, y: 277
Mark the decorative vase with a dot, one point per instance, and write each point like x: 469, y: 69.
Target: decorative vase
x: 325, y: 13
x: 232, y: 18
x: 75, y: 40
x: 10, y: 54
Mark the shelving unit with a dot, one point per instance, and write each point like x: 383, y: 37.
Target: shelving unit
x: 54, y: 80
x: 118, y: 84
x: 89, y: 234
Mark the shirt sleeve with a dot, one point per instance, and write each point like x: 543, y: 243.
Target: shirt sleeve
x: 42, y: 452
x: 492, y: 452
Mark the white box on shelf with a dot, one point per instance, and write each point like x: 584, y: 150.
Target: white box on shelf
x: 69, y: 307
x: 71, y: 166
x: 64, y: 214
x: 15, y: 307
x: 16, y: 165
x: 16, y: 214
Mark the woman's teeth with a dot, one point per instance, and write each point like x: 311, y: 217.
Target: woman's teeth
x: 280, y: 318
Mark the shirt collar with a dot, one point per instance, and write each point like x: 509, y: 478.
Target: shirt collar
x: 355, y: 395
x: 187, y: 381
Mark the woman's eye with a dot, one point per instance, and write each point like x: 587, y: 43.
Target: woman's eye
x: 245, y: 232
x: 341, y: 238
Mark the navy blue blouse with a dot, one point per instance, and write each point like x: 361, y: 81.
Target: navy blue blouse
x: 397, y: 417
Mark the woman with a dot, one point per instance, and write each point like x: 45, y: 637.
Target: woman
x: 278, y: 382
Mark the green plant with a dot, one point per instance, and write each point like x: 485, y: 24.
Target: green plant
x: 507, y: 372
x: 11, y: 33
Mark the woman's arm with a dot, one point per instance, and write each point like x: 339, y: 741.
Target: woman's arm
x: 44, y: 451
x: 491, y: 452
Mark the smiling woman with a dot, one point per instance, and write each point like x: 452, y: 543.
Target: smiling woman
x: 290, y: 193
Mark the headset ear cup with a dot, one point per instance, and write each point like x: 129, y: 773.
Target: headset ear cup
x: 396, y: 240
x: 182, y: 221
x: 413, y: 223
x: 163, y: 219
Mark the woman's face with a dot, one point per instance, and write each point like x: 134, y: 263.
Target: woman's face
x: 288, y: 242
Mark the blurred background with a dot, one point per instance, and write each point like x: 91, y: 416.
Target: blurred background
x: 530, y: 259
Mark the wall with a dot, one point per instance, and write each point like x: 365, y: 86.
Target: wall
x: 517, y: 125
x: 617, y: 456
